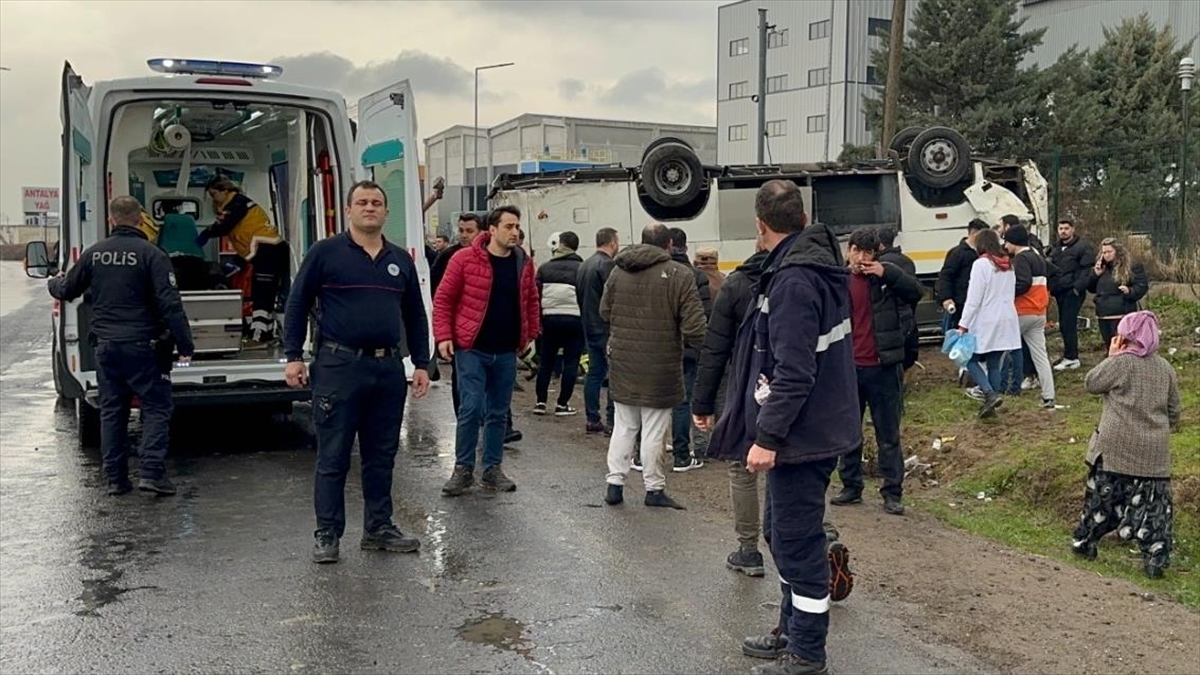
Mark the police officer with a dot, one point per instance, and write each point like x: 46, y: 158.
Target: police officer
x: 135, y: 310
x: 369, y: 298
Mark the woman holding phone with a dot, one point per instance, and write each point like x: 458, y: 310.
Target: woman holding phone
x: 1119, y: 285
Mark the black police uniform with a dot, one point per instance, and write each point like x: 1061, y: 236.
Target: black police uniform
x: 364, y: 308
x: 134, y: 306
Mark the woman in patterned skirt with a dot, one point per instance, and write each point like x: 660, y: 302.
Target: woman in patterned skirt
x: 1129, y: 457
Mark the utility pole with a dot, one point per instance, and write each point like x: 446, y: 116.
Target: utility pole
x: 891, y: 92
x: 763, y: 29
x: 1187, y: 73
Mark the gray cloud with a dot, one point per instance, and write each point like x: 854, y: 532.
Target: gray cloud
x: 622, y: 10
x: 427, y: 73
x: 650, y: 86
x: 571, y: 88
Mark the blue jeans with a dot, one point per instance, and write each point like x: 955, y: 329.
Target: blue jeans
x: 990, y: 381
x: 681, y: 417
x: 596, y: 375
x: 485, y: 382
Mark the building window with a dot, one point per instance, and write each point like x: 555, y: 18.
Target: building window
x: 777, y: 83
x: 879, y: 27
x: 818, y: 30
x: 818, y: 77
x: 777, y: 128
x: 777, y: 38
x: 816, y: 124
x: 739, y: 47
x: 739, y: 89
x: 738, y: 132
x: 873, y: 75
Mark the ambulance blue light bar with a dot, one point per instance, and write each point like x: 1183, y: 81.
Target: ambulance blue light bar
x: 203, y: 67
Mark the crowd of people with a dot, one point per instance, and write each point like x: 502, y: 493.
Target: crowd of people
x: 770, y: 369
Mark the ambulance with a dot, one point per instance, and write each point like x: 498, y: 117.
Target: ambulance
x: 292, y: 149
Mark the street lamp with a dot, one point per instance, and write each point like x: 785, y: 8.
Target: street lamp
x: 475, y: 131
x: 1187, y: 73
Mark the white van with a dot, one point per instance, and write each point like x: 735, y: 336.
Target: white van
x: 292, y: 149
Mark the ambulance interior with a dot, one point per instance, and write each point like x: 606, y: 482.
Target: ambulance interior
x: 165, y: 152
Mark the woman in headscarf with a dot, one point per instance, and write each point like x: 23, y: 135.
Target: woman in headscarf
x: 1129, y: 456
x: 990, y: 315
x: 1119, y: 284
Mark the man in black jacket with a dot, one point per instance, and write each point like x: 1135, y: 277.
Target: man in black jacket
x: 135, y: 305
x: 561, y: 326
x: 952, y: 281
x: 589, y: 289
x: 890, y: 253
x: 881, y: 297
x: 1074, y: 258
x: 468, y: 229
x: 681, y: 416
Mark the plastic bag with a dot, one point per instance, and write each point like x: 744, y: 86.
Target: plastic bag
x: 963, y: 350
x: 952, y: 336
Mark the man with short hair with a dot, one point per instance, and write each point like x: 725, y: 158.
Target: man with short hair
x: 562, y: 329
x: 370, y: 300
x: 653, y: 310
x: 890, y: 253
x: 485, y: 311
x: 589, y: 289
x: 681, y: 416
x: 441, y: 243
x: 792, y: 402
x: 469, y: 227
x: 136, y: 311
x: 881, y: 318
x: 1074, y: 259
x: 955, y: 275
x: 1032, y: 299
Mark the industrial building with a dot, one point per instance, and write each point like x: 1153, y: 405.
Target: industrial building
x: 819, y: 64
x: 540, y: 142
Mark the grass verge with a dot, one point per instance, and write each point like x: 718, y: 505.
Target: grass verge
x: 1018, y: 479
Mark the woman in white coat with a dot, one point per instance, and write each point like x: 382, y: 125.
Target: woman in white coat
x: 990, y: 316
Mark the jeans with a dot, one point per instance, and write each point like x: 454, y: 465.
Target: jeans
x: 597, y: 349
x: 485, y: 382
x: 1069, y: 305
x: 125, y: 370
x: 878, y: 388
x: 363, y: 397
x: 565, y: 333
x: 681, y: 419
x: 989, y: 382
x: 1012, y: 372
x: 793, y: 526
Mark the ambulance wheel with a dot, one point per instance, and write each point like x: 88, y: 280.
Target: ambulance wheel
x: 89, y: 424
x: 671, y: 173
x: 902, y: 141
x: 939, y: 157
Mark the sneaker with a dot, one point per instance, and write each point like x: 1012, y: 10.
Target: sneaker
x: 769, y: 646
x: 1084, y: 550
x: 598, y: 428
x: 1152, y: 570
x: 495, y: 480
x: 564, y: 411
x: 160, y: 486
x: 747, y: 562
x: 990, y: 403
x: 687, y: 465
x: 325, y: 550
x: 893, y: 505
x: 615, y: 495
x: 252, y: 345
x: 462, y: 478
x: 513, y: 436
x: 1030, y: 383
x: 636, y: 463
x: 790, y: 664
x: 389, y: 538
x: 660, y: 498
x: 1067, y: 364
x: 117, y: 488
x: 845, y: 497
x: 841, y: 579
x: 975, y: 393
x: 1048, y: 403
x: 539, y: 409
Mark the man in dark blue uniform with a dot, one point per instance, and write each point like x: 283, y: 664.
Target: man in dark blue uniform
x: 135, y: 311
x: 368, y: 299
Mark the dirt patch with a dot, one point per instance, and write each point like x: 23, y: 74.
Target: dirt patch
x: 1017, y: 612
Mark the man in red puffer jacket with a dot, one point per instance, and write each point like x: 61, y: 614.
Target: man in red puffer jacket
x: 486, y: 310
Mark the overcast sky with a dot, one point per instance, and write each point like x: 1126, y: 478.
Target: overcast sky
x: 643, y: 60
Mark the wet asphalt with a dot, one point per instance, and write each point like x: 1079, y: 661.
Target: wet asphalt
x: 218, y: 578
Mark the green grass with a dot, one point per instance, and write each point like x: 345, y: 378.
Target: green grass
x: 1029, y: 461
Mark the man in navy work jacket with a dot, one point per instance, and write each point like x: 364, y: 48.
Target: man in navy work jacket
x: 368, y: 298
x: 793, y: 399
x: 134, y: 305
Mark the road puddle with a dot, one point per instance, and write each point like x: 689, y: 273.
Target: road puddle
x: 498, y: 632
